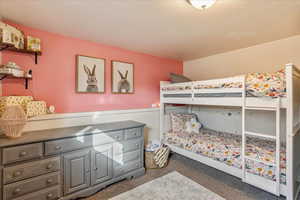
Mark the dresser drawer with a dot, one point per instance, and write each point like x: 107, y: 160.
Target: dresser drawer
x: 52, y: 193
x: 69, y: 144
x: 132, y: 133
x: 128, y: 146
x: 127, y: 157
x: 21, y: 188
x: 31, y: 169
x: 21, y: 153
x: 123, y: 169
x: 108, y: 137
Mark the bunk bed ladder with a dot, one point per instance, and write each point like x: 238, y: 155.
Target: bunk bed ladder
x: 276, y: 109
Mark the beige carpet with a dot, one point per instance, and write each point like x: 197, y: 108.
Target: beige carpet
x: 172, y: 186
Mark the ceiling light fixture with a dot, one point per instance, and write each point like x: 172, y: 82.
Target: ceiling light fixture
x: 202, y: 4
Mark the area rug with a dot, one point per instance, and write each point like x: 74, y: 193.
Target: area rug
x: 172, y: 186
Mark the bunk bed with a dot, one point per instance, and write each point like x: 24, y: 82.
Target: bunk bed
x: 269, y: 162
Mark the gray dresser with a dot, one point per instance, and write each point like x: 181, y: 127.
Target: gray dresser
x: 68, y: 163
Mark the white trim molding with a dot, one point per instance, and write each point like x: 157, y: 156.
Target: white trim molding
x: 89, y: 114
x: 149, y: 116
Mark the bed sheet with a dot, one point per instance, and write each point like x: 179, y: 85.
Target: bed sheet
x: 226, y: 148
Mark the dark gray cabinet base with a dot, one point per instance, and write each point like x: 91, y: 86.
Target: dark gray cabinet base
x: 77, y: 172
x: 102, y: 162
x: 92, y: 190
x: 72, y: 166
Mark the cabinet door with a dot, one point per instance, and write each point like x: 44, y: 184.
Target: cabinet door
x: 102, y: 163
x: 77, y: 174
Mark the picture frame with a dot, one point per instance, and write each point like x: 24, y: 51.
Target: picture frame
x: 90, y: 74
x: 122, y: 77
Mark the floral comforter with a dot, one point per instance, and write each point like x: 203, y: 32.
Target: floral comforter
x: 257, y: 85
x: 266, y: 84
x: 226, y: 148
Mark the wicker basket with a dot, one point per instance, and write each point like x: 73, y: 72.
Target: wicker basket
x: 151, y: 158
x: 13, y: 121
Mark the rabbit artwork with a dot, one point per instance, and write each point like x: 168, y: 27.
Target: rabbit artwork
x: 123, y: 85
x: 92, y: 80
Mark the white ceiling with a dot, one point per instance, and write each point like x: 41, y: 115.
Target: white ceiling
x: 167, y: 28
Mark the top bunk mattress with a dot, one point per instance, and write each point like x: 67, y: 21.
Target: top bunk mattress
x: 257, y: 85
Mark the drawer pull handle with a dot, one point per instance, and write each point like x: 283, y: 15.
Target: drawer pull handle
x: 118, y: 137
x: 17, y: 173
x: 23, y: 153
x: 137, y: 165
x: 137, y: 144
x: 50, y: 195
x: 17, y: 190
x: 49, y: 181
x: 50, y: 166
x: 58, y: 147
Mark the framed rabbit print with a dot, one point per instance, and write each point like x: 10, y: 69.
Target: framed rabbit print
x: 122, y: 77
x: 90, y: 73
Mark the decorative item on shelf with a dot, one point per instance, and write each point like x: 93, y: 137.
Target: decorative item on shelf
x: 122, y: 77
x: 33, y: 44
x: 11, y: 35
x: 51, y: 109
x: 36, y: 108
x: 90, y: 74
x: 5, y: 70
x: 14, y: 100
x: 12, y: 39
x: 12, y: 69
x: 13, y: 121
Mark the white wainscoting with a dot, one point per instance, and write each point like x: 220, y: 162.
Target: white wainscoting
x: 149, y: 116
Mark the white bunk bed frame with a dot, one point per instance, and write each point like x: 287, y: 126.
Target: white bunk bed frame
x: 291, y: 103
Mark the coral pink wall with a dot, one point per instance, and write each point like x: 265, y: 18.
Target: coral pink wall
x: 54, y: 75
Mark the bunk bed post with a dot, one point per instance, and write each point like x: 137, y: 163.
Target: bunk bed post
x: 162, y: 116
x: 243, y: 128
x: 190, y: 107
x: 161, y: 113
x: 289, y: 132
x: 277, y: 148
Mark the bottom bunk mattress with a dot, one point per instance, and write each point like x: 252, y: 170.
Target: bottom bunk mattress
x: 227, y: 148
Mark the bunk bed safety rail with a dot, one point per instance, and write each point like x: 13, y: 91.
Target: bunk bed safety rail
x: 176, y: 88
x: 232, y: 84
x: 179, y: 93
x: 221, y: 81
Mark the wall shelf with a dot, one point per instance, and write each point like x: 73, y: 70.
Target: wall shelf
x: 9, y: 76
x: 10, y: 47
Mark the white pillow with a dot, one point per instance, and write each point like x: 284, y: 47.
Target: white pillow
x: 193, y: 126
